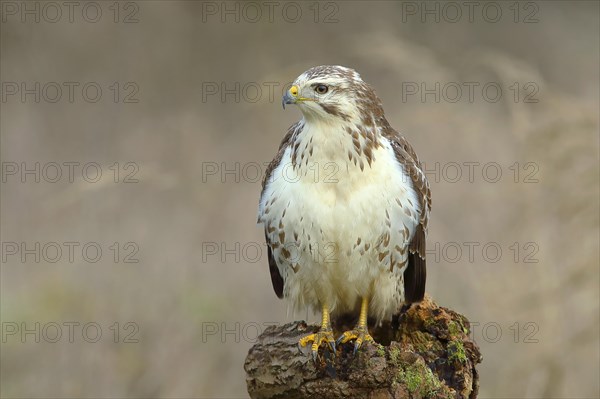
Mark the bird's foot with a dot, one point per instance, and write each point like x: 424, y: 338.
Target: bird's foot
x: 318, y: 338
x: 359, y: 334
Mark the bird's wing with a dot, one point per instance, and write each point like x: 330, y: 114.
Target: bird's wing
x: 416, y: 272
x: 276, y: 277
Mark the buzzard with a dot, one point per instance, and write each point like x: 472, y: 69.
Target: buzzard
x: 345, y: 205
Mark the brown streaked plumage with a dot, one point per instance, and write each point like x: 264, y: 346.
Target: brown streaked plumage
x: 371, y: 213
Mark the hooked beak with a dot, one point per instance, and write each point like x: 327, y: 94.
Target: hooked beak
x: 292, y: 97
x: 288, y: 99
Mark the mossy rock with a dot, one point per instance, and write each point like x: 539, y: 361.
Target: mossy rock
x: 424, y: 353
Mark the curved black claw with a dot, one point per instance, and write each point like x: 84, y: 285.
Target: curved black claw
x: 356, y: 346
x: 359, y: 334
x: 300, y: 348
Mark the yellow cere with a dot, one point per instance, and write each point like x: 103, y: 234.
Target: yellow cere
x: 294, y: 90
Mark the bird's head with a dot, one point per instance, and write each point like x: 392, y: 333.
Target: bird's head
x: 329, y: 93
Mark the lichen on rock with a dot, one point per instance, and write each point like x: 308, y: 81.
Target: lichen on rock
x: 425, y: 352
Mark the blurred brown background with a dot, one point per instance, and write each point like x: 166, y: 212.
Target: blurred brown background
x: 200, y: 291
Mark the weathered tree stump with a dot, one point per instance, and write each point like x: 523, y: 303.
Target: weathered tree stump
x: 426, y: 352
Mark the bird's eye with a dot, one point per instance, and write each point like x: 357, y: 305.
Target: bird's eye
x: 321, y: 89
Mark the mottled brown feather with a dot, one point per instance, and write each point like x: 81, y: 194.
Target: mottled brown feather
x: 287, y: 140
x: 373, y: 117
x: 276, y: 277
x: 416, y: 273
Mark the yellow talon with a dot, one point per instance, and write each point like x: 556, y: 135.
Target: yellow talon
x: 360, y: 333
x: 317, y: 339
x: 324, y: 335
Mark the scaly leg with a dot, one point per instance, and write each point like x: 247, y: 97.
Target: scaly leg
x: 360, y: 333
x: 324, y: 335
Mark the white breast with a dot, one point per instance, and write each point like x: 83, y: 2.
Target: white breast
x: 340, y: 232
